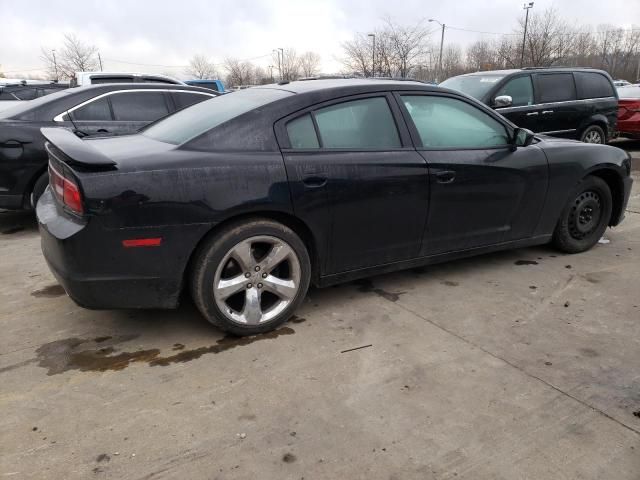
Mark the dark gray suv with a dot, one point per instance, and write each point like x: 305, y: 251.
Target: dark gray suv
x: 576, y: 103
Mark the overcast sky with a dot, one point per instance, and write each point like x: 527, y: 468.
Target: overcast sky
x: 168, y: 32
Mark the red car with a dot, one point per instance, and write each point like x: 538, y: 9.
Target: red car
x: 629, y: 111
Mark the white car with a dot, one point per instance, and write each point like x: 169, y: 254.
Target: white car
x: 621, y: 83
x: 91, y: 78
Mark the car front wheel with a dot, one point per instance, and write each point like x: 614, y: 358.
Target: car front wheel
x: 585, y: 217
x: 251, y: 276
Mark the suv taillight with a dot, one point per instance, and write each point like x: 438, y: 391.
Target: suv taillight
x: 65, y: 190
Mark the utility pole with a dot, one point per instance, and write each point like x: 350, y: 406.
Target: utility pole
x: 55, y: 64
x: 373, y: 55
x: 277, y: 50
x: 524, y: 38
x: 271, y: 72
x: 281, y: 57
x: 441, y: 46
x: 100, y: 60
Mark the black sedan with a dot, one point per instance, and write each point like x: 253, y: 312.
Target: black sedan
x: 246, y: 199
x: 102, y: 109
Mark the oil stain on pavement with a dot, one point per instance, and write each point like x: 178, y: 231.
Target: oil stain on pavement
x: 49, y: 292
x: 100, y: 354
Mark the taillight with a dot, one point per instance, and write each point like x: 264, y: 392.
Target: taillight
x: 65, y: 190
x: 627, y: 108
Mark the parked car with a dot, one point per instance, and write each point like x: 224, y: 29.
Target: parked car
x: 247, y: 199
x: 629, y: 112
x: 91, y: 78
x: 576, y: 103
x: 101, y: 109
x: 11, y: 95
x: 215, y: 85
x: 621, y: 83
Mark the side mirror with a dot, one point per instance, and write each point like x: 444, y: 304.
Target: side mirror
x: 502, y: 101
x: 522, y: 137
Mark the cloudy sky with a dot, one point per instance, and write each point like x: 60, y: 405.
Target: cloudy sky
x: 161, y: 35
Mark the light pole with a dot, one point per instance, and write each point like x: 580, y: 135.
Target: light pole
x: 373, y: 55
x: 55, y: 64
x: 527, y: 7
x: 277, y: 50
x: 441, y: 45
x: 282, y: 63
x: 271, y: 72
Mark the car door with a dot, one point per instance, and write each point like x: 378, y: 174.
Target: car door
x: 557, y: 103
x: 356, y: 179
x: 483, y: 191
x: 523, y: 111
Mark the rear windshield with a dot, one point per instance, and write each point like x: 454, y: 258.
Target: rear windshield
x: 476, y: 86
x: 202, y: 117
x: 26, y: 106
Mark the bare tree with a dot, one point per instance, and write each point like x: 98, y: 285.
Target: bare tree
x: 201, y: 68
x: 238, y: 72
x: 309, y: 64
x: 74, y: 56
x: 452, y: 61
x: 288, y: 63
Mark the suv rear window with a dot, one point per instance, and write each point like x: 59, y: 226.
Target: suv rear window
x: 555, y: 87
x: 593, y: 85
x: 191, y: 122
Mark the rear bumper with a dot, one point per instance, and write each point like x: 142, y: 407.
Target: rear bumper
x: 94, y: 269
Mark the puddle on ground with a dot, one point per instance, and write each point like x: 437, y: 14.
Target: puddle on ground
x: 100, y: 354
x: 296, y: 319
x: 49, y: 292
x: 366, y: 286
x: 525, y: 262
x: 450, y: 283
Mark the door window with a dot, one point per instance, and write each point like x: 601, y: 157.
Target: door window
x: 444, y: 122
x: 301, y: 133
x: 93, y: 111
x: 520, y: 90
x: 366, y: 123
x: 139, y: 106
x: 556, y: 87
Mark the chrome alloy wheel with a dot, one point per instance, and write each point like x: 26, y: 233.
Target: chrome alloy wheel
x: 593, y: 137
x: 256, y: 280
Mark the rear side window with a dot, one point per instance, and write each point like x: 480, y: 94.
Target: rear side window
x: 366, y: 123
x: 185, y: 99
x: 26, y: 94
x: 520, y: 90
x: 301, y: 133
x: 94, y: 111
x: 593, y: 85
x: 139, y: 106
x: 555, y: 87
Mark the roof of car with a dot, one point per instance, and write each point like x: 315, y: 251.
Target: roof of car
x: 533, y: 69
x: 139, y: 86
x: 315, y: 84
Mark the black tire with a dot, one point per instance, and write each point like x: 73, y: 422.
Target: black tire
x: 39, y: 188
x: 585, y: 217
x: 593, y: 132
x: 216, y: 249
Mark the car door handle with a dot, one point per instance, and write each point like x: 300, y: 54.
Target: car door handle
x: 315, y: 180
x: 544, y: 112
x: 532, y: 114
x: 445, y: 176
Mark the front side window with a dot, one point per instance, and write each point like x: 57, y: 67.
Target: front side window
x: 444, y: 122
x: 186, y: 99
x: 556, y: 87
x: 97, y: 110
x: 474, y: 85
x: 139, y: 106
x: 520, y: 90
x: 366, y: 123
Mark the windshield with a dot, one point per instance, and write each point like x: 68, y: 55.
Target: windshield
x: 24, y: 106
x: 476, y: 86
x: 187, y: 124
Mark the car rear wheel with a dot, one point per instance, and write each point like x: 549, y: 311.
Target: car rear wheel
x: 593, y: 134
x: 250, y: 277
x: 585, y: 217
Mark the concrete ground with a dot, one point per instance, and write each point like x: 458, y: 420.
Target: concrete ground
x: 516, y: 365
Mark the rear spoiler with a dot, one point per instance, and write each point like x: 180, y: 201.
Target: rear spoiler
x: 77, y: 150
